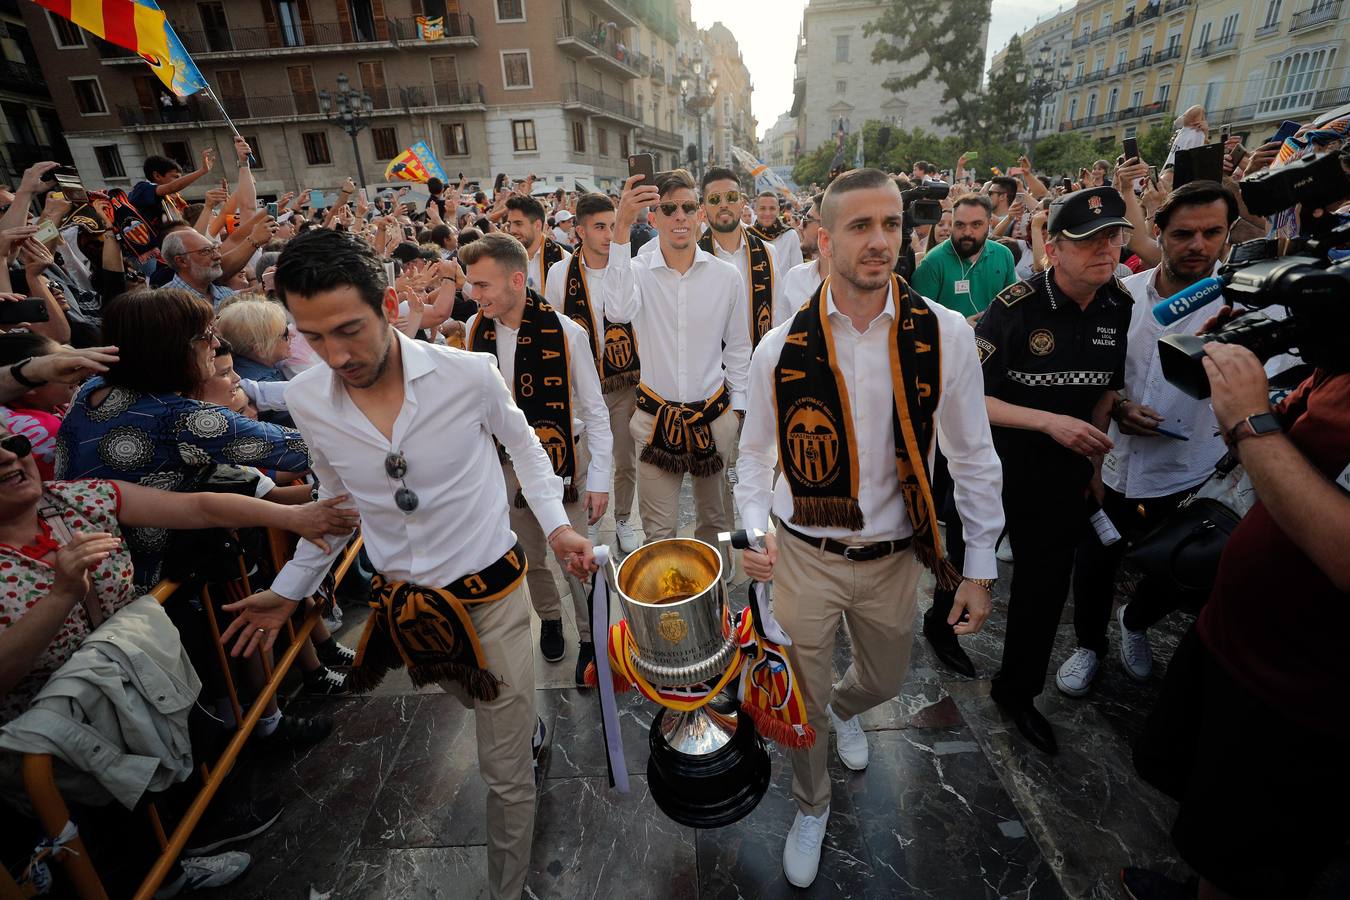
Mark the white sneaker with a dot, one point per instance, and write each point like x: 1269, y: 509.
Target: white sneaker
x: 801, y: 853
x: 1003, y: 550
x: 850, y: 739
x: 1135, y: 653
x: 206, y: 872
x: 1075, y: 676
x: 593, y: 533
x: 628, y: 539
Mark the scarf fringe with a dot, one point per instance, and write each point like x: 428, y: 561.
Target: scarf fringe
x: 480, y: 684
x: 827, y: 512
x: 367, y: 676
x: 618, y: 382
x: 664, y: 459
x: 705, y: 466
x: 778, y: 731
x: 948, y: 579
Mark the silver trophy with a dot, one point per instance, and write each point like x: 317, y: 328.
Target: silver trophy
x: 708, y: 767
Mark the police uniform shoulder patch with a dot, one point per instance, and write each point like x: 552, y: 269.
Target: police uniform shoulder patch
x: 984, y: 349
x: 1014, y: 292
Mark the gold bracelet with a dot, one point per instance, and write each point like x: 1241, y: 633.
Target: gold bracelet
x: 986, y: 583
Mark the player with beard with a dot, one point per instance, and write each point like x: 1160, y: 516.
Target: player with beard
x: 1150, y: 472
x: 966, y: 271
x: 801, y: 281
x: 769, y: 226
x: 525, y: 222
x: 410, y: 430
x: 754, y: 257
x: 851, y: 396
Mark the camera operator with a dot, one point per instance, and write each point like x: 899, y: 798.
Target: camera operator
x: 1250, y: 732
x: 1053, y: 353
x: 1150, y: 471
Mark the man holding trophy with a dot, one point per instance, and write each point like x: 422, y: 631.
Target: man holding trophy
x: 849, y: 395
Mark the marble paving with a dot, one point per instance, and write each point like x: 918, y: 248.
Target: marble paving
x: 954, y: 804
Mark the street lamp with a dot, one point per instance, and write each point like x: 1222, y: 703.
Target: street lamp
x: 351, y: 115
x: 1045, y: 81
x: 699, y: 102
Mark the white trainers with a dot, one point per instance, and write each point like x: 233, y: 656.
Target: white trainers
x: 628, y: 539
x: 199, y: 872
x: 1075, y: 676
x: 850, y: 739
x: 1135, y: 653
x: 1003, y: 550
x: 801, y: 853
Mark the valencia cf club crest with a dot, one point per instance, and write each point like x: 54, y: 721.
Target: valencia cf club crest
x: 673, y: 627
x: 1095, y: 205
x: 553, y: 442
x: 813, y: 443
x: 618, y: 347
x: 763, y: 321
x: 1042, y: 342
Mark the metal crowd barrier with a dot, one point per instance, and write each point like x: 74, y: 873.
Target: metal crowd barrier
x: 51, y: 808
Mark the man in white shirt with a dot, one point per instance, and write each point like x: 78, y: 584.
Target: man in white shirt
x: 576, y: 288
x: 801, y: 281
x: 546, y: 360
x: 525, y: 222
x: 753, y: 256
x: 407, y: 430
x: 688, y: 310
x: 855, y: 387
x: 1165, y: 442
x: 787, y: 244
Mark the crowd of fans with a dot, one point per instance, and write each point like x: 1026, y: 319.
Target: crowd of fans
x: 157, y: 359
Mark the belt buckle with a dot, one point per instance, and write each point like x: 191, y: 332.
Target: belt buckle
x: 849, y: 552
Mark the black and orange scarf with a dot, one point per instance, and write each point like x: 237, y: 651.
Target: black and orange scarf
x: 768, y: 233
x: 429, y: 630
x: 815, y: 435
x: 682, y: 439
x: 618, y: 363
x: 550, y: 253
x: 543, y: 383
x: 761, y: 282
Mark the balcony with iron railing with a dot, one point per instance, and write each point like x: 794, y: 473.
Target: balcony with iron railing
x: 455, y: 94
x: 597, y: 43
x: 1170, y: 52
x: 658, y: 72
x: 1148, y: 13
x: 1125, y: 23
x: 1273, y: 109
x: 583, y: 95
x: 660, y: 137
x: 1172, y: 6
x: 1320, y: 13
x: 1213, y: 49
x: 19, y: 76
x: 460, y: 31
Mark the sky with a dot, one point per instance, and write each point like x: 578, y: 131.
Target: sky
x: 767, y: 33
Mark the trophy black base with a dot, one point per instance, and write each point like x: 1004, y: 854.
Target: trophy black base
x: 709, y: 790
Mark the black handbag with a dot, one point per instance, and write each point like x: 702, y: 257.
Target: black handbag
x: 1184, y: 549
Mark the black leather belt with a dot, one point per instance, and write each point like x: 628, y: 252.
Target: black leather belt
x: 851, y: 552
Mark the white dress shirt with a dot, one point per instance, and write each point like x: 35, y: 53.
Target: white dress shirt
x: 693, y: 328
x: 591, y: 415
x: 799, y: 284
x: 1144, y: 467
x: 740, y: 258
x: 865, y: 363
x: 788, y: 247
x: 454, y: 404
x: 532, y: 279
x: 595, y: 278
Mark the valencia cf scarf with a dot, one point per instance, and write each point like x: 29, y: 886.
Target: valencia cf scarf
x: 815, y: 423
x: 429, y: 630
x: 761, y: 283
x: 682, y: 439
x: 542, y: 383
x: 550, y: 253
x: 618, y: 363
x: 769, y: 233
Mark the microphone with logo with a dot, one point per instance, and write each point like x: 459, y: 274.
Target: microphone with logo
x: 1180, y: 304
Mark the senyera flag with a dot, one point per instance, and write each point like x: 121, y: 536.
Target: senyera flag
x: 417, y: 163
x: 138, y: 25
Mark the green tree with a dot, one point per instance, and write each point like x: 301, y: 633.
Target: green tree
x: 1064, y: 153
x: 1154, y: 142
x: 1005, y: 102
x: 937, y: 34
x: 815, y: 166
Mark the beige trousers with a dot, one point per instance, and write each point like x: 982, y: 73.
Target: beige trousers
x: 505, y: 729
x: 812, y: 589
x: 543, y: 586
x: 659, y: 490
x: 621, y: 405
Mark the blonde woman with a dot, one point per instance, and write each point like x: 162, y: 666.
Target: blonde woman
x: 257, y: 329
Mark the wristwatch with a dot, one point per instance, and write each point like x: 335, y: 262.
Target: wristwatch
x: 1254, y: 426
x: 986, y: 583
x: 16, y: 371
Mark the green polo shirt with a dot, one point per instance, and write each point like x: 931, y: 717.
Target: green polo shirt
x: 942, y: 272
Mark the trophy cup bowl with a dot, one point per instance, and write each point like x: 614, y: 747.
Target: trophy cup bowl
x: 708, y: 767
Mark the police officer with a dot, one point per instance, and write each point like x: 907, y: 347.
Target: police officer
x: 1053, y: 353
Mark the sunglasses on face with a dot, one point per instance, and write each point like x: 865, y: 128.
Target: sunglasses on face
x: 716, y: 199
x: 17, y: 444
x: 209, y: 335
x: 668, y: 209
x: 396, y: 466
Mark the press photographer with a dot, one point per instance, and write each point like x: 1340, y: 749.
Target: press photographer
x: 1249, y: 733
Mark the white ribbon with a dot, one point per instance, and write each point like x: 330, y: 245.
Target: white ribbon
x: 609, y: 710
